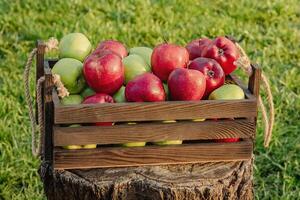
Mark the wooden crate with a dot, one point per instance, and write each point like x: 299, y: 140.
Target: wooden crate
x: 199, y: 145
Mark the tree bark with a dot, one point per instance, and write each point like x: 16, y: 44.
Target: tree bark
x: 219, y: 180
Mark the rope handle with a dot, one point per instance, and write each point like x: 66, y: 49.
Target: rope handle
x: 245, y: 63
x: 36, y: 146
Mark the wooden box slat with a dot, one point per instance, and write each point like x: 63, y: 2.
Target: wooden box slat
x: 152, y: 155
x: 151, y: 111
x: 151, y: 132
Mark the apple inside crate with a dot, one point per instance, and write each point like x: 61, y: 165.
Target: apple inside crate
x: 99, y: 134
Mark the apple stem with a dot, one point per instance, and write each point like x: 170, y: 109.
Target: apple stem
x: 211, y: 73
x: 220, y: 51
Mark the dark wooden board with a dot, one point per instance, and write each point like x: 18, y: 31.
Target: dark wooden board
x: 48, y: 114
x: 151, y: 132
x: 151, y: 111
x: 151, y: 155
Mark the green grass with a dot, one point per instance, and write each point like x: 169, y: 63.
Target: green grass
x: 271, y: 38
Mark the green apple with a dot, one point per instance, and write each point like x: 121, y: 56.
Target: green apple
x: 134, y: 66
x: 168, y: 142
x: 72, y: 99
x: 144, y: 52
x: 72, y: 147
x: 75, y: 45
x: 133, y: 144
x: 70, y: 71
x: 87, y: 92
x: 119, y: 96
x: 227, y: 92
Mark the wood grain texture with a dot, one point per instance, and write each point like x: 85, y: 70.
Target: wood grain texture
x: 151, y: 111
x: 199, y: 181
x: 55, y: 97
x: 254, y: 80
x: 48, y: 115
x: 151, y: 132
x: 40, y: 46
x: 151, y: 155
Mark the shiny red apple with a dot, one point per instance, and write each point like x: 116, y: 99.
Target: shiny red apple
x: 227, y: 140
x: 212, y: 71
x: 145, y: 88
x: 114, y: 46
x: 195, y: 47
x: 186, y: 84
x: 104, y: 73
x: 224, y: 52
x: 167, y: 57
x: 99, y: 98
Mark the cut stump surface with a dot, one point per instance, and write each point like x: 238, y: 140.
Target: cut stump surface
x: 218, y: 180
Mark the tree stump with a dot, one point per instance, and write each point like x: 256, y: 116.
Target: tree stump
x: 217, y: 180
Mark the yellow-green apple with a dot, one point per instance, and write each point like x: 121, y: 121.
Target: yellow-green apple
x: 167, y: 57
x: 72, y: 100
x: 104, y: 73
x: 89, y: 146
x: 99, y: 98
x: 196, y: 47
x: 144, y: 52
x: 112, y: 45
x: 87, y: 92
x: 133, y: 144
x: 145, y: 88
x: 74, y: 45
x: 134, y: 66
x: 119, y: 96
x: 168, y: 142
x: 212, y: 71
x: 186, y: 84
x: 70, y: 72
x: 227, y: 92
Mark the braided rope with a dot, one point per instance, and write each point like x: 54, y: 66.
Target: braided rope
x: 245, y: 64
x: 37, y: 147
x: 35, y: 150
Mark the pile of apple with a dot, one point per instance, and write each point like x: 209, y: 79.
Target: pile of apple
x: 110, y: 73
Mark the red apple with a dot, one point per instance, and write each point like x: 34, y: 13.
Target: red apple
x: 99, y: 98
x: 224, y: 52
x: 195, y: 47
x: 114, y: 46
x: 104, y: 73
x: 186, y: 84
x: 227, y: 140
x: 212, y: 71
x: 145, y: 88
x: 167, y: 57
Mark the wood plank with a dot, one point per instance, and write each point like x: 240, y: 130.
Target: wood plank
x: 48, y: 115
x: 254, y: 80
x: 55, y: 97
x: 151, y: 132
x: 40, y: 46
x: 151, y: 111
x: 151, y: 155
